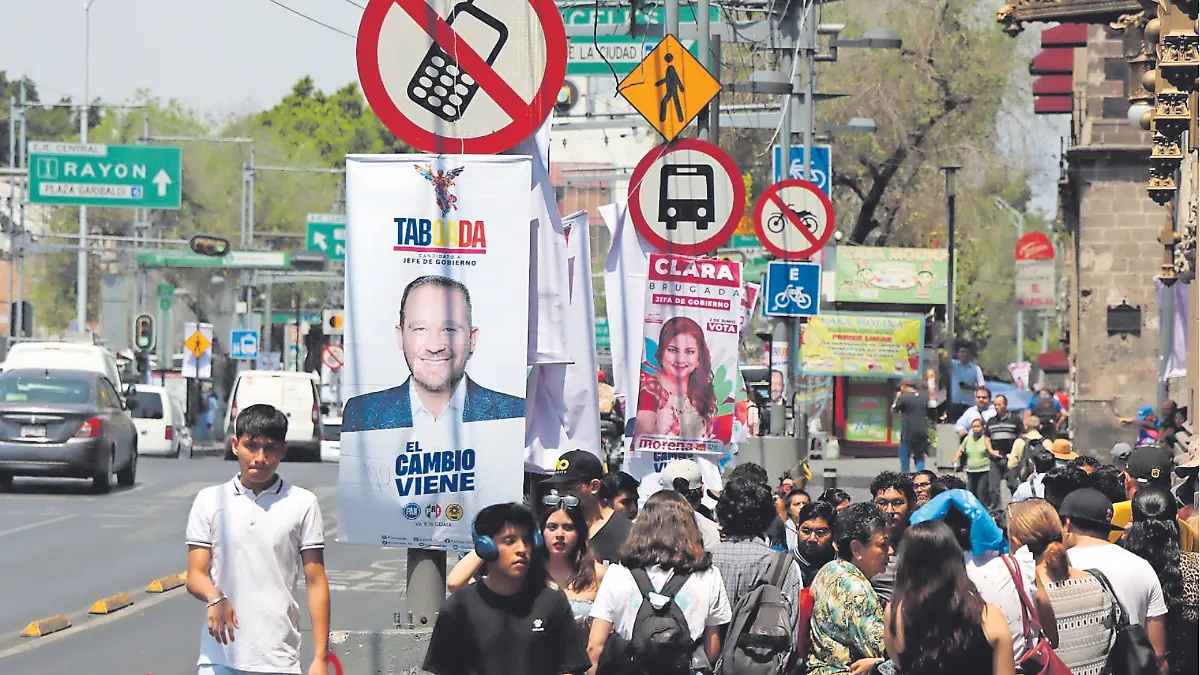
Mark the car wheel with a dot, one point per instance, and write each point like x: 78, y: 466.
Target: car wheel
x: 128, y: 476
x: 102, y: 481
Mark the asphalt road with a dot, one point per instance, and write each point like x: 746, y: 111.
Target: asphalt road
x: 62, y: 548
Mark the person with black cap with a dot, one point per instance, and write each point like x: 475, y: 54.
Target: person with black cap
x: 578, y: 473
x: 1144, y: 466
x: 1087, y: 516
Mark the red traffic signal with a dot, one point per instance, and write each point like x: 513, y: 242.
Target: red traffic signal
x: 210, y: 246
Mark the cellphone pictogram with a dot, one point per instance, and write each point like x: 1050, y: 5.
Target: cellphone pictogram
x: 440, y: 85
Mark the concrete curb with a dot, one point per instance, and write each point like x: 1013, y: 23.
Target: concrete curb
x: 46, y: 626
x: 111, y: 604
x: 397, y: 652
x: 163, y: 584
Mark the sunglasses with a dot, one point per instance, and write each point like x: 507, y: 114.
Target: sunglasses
x: 555, y: 499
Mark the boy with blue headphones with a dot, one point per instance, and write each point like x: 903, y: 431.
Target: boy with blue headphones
x: 512, y: 622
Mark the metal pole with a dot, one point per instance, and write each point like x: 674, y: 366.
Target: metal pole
x: 810, y: 86
x: 950, y: 170
x: 426, y: 587
x: 81, y: 280
x: 250, y: 203
x: 143, y: 273
x: 242, y: 214
x: 20, y: 252
x: 267, y: 311
x: 299, y: 322
x: 12, y: 203
x: 1045, y: 333
x: 1020, y: 222
x: 671, y: 17
x: 703, y: 44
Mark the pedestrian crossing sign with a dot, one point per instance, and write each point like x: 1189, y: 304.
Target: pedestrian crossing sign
x: 197, y: 344
x: 669, y: 87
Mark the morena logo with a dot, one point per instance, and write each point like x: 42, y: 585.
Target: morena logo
x: 412, y: 511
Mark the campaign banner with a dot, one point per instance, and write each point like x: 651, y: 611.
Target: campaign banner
x: 689, y: 370
x: 864, y: 345
x: 749, y: 299
x: 912, y: 276
x: 433, y: 428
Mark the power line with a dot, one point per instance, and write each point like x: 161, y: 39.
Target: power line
x: 305, y: 16
x: 351, y: 2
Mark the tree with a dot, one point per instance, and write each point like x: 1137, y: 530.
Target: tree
x: 47, y: 123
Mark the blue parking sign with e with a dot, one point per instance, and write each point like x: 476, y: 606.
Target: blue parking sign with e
x: 821, y: 165
x: 793, y: 289
x: 243, y: 344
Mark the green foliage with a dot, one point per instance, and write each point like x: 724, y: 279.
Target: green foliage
x: 42, y: 122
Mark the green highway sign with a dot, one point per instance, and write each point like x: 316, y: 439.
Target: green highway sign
x: 258, y: 260
x: 745, y: 241
x: 94, y: 174
x: 164, y: 304
x: 603, y: 334
x: 587, y: 57
x: 586, y: 14
x: 166, y: 291
x: 327, y: 234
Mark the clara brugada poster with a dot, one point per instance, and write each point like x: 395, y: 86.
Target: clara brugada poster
x: 437, y: 276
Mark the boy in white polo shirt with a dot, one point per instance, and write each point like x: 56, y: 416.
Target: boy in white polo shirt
x: 248, y: 540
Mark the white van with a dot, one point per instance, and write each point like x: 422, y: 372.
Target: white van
x: 64, y: 355
x: 296, y: 394
x: 158, y: 416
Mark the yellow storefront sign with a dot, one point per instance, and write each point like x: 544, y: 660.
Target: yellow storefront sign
x: 863, y: 345
x: 670, y: 87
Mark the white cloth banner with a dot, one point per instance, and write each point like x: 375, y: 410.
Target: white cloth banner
x: 437, y: 247
x: 625, y: 270
x: 564, y: 410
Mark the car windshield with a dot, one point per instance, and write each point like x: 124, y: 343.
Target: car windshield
x: 45, y: 390
x: 148, y: 405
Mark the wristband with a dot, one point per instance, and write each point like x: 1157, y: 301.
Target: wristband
x: 217, y: 600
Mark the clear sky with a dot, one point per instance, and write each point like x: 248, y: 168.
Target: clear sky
x: 219, y: 56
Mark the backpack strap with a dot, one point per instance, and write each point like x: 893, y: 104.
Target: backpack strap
x: 1028, y: 616
x: 642, y: 579
x: 778, y: 570
x: 674, y: 584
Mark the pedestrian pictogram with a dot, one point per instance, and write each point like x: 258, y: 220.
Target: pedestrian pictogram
x: 686, y: 197
x: 793, y: 289
x: 197, y: 344
x: 670, y: 87
x: 476, y: 77
x: 333, y: 356
x: 793, y: 219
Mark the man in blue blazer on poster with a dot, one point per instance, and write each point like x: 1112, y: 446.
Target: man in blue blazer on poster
x: 437, y: 338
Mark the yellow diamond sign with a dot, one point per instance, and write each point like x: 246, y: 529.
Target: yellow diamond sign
x: 669, y: 87
x: 197, y: 344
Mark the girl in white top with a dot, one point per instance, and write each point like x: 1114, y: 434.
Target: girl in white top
x: 665, y: 541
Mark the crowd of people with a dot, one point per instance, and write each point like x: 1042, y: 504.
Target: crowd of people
x: 1088, y: 569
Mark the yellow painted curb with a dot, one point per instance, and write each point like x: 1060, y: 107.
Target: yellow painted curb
x: 46, y: 626
x: 167, y: 583
x: 111, y: 604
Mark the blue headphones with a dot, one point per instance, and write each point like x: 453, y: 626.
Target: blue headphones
x: 486, y: 549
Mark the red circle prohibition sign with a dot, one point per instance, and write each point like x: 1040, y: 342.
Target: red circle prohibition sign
x: 814, y: 241
x: 526, y: 116
x: 641, y: 221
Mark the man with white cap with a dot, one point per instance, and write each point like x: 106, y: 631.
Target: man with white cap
x: 683, y: 476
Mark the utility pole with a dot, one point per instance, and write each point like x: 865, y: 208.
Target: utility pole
x: 950, y: 170
x: 81, y: 280
x: 1018, y: 220
x: 19, y: 314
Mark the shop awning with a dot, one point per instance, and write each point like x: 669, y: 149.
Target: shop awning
x: 1054, y: 361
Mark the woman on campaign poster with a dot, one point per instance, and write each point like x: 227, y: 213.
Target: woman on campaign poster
x: 677, y: 398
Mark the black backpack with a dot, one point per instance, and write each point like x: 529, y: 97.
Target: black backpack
x: 661, y: 643
x: 1032, y: 447
x: 762, y: 636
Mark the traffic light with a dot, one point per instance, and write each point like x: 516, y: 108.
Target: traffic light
x: 568, y: 96
x: 333, y: 322
x: 210, y: 246
x: 143, y: 332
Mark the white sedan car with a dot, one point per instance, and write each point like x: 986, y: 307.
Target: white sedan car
x: 331, y: 441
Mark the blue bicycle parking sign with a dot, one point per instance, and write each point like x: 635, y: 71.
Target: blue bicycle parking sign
x: 793, y: 289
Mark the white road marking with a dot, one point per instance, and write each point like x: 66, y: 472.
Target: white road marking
x: 30, y: 526
x: 90, y: 623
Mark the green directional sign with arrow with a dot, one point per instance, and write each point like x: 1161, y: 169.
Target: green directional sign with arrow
x: 94, y: 174
x: 327, y: 234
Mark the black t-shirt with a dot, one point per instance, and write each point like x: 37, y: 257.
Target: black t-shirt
x: 610, y: 538
x: 479, y: 632
x: 1004, y: 431
x: 911, y: 406
x: 777, y: 534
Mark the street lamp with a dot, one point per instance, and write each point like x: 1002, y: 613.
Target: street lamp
x: 951, y: 170
x: 81, y: 280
